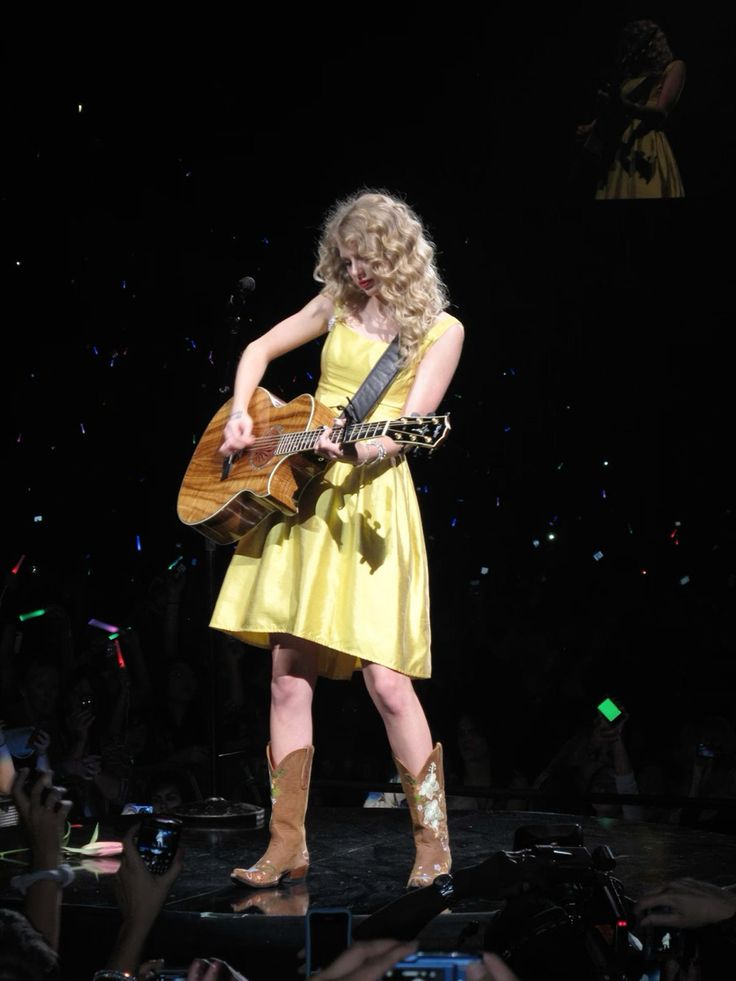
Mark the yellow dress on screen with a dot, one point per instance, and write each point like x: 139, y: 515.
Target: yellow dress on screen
x: 349, y: 571
x: 644, y: 165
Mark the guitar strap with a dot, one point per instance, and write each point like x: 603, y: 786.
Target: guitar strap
x: 375, y: 384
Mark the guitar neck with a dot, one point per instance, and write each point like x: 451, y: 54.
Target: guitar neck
x: 298, y: 442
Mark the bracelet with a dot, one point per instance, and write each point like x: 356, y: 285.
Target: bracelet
x: 62, y: 876
x: 380, y: 453
x: 110, y: 974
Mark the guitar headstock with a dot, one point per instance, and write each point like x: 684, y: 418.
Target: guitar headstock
x: 419, y: 432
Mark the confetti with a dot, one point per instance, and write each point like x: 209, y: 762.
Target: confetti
x: 597, y: 556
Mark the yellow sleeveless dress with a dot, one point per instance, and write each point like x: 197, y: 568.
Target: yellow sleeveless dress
x: 644, y: 165
x: 349, y: 571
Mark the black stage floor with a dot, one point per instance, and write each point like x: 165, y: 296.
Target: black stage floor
x: 360, y: 859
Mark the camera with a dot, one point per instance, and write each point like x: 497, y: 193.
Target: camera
x: 158, y: 840
x: 564, y: 914
x: 574, y: 919
x: 437, y: 966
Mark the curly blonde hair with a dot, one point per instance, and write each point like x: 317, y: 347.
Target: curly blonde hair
x: 391, y: 239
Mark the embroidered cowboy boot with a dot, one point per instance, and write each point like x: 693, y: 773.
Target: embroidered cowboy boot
x: 286, y: 858
x: 425, y: 795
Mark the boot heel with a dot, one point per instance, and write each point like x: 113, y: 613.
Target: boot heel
x: 295, y: 875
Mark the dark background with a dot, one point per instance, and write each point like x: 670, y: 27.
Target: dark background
x: 151, y: 161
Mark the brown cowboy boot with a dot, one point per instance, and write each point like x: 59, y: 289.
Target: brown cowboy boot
x: 286, y: 858
x: 425, y: 795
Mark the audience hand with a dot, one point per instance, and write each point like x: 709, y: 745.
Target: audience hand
x: 686, y: 903
x: 367, y: 960
x: 140, y: 894
x: 492, y: 968
x: 84, y: 767
x: 40, y: 741
x: 42, y: 813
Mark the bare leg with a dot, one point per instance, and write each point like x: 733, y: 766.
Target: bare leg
x: 402, y: 713
x: 293, y: 678
x: 290, y: 765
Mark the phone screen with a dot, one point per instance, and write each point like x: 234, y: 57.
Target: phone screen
x: 609, y: 710
x: 328, y: 935
x: 158, y: 840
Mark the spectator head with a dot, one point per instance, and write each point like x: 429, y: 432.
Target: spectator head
x: 169, y: 790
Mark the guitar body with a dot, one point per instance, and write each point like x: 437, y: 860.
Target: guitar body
x: 258, y: 482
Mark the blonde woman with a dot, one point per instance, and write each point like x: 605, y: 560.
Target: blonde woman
x: 342, y: 586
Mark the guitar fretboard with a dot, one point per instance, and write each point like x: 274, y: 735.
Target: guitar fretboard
x: 306, y: 439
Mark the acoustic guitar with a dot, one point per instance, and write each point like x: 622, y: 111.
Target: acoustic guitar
x: 224, y: 497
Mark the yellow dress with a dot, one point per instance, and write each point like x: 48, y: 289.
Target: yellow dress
x: 349, y: 571
x: 644, y: 165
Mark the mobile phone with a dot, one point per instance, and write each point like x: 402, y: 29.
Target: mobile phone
x: 609, y: 710
x: 329, y: 932
x: 158, y: 840
x: 452, y: 966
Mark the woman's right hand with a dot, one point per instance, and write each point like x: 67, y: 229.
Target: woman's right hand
x: 238, y: 433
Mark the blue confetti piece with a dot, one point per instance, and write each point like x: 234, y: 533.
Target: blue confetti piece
x: 684, y: 580
x: 453, y: 522
x: 124, y: 284
x: 94, y: 349
x: 81, y: 426
x: 484, y: 570
x: 603, y: 494
x: 498, y: 502
x: 37, y: 519
x: 507, y: 429
x: 597, y: 556
x: 310, y: 376
x: 138, y: 546
x: 535, y: 542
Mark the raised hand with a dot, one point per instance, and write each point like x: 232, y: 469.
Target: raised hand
x: 367, y: 960
x: 685, y: 903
